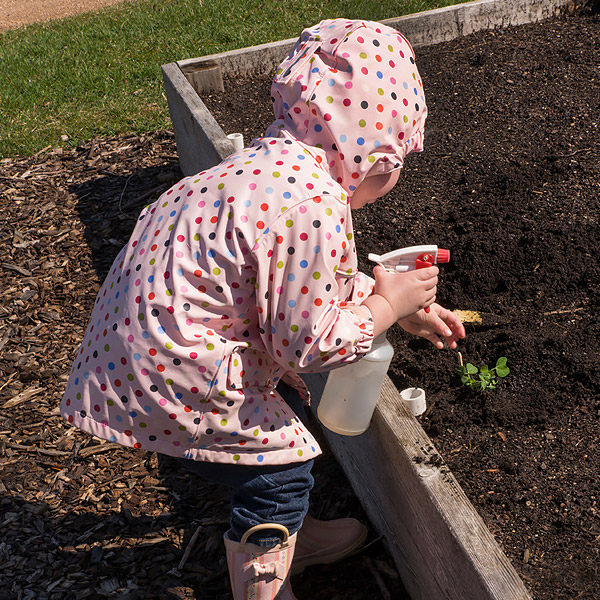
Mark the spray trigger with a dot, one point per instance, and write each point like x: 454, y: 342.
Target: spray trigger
x: 411, y: 258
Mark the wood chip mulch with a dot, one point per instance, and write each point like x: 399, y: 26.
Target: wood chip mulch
x: 81, y: 518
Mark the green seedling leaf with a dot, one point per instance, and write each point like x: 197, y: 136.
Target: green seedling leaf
x: 501, y: 362
x: 502, y: 371
x: 484, y: 377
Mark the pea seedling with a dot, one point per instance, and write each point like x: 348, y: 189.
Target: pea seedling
x: 483, y: 378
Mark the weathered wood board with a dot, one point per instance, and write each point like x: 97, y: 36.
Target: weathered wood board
x: 201, y: 143
x: 430, y: 27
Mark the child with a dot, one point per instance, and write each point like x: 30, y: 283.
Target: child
x: 241, y: 277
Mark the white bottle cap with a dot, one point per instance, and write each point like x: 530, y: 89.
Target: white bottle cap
x: 414, y: 398
x: 237, y: 140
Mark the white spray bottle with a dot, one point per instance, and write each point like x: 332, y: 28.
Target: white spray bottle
x: 351, y: 392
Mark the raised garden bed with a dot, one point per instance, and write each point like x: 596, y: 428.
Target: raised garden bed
x: 79, y: 519
x: 510, y: 182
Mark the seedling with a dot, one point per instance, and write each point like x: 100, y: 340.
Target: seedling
x: 483, y: 378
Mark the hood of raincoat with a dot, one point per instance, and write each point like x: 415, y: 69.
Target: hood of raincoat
x: 352, y: 89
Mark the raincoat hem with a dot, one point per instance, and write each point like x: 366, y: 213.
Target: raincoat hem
x: 269, y: 456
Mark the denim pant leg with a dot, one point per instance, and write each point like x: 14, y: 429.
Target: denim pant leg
x: 270, y: 494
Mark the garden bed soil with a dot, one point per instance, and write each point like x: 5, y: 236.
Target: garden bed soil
x: 509, y: 181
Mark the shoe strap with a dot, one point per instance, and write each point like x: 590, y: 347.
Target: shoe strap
x: 264, y: 526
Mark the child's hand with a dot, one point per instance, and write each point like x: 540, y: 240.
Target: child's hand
x: 406, y: 292
x: 436, y: 324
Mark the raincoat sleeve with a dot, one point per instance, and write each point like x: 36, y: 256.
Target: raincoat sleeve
x: 310, y: 313
x: 362, y: 288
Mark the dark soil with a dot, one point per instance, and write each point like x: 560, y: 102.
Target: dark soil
x: 510, y: 182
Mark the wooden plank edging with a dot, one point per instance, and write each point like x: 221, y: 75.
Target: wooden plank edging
x: 201, y: 149
x: 422, y: 29
x: 201, y: 143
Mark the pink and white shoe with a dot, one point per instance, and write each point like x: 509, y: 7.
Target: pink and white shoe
x: 324, y: 542
x: 259, y: 573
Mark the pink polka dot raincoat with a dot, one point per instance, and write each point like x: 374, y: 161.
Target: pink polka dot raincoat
x: 247, y: 273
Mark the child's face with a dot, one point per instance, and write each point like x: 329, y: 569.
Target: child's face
x: 373, y: 187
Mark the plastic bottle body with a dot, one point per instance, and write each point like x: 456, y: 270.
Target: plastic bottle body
x: 351, y: 392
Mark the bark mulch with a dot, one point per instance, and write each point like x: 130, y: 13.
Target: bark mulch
x: 81, y: 518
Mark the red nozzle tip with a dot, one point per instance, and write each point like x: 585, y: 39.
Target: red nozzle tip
x: 443, y: 255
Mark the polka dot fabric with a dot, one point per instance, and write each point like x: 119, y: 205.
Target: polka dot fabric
x: 353, y: 89
x: 233, y: 279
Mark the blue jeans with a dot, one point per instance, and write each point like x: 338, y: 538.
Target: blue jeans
x: 270, y: 494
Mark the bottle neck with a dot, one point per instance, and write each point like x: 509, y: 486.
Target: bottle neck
x: 381, y: 350
x: 379, y: 340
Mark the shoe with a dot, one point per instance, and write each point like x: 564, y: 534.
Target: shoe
x: 258, y: 572
x: 324, y: 542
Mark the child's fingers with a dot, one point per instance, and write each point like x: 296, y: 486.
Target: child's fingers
x: 449, y: 326
x: 439, y: 325
x: 438, y: 330
x: 435, y: 340
x: 428, y: 273
x: 458, y: 329
x: 453, y: 322
x: 430, y: 299
x: 378, y: 271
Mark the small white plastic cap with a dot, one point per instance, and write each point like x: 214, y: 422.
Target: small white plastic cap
x: 238, y: 141
x: 414, y: 398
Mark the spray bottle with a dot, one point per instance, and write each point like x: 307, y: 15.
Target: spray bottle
x: 411, y: 258
x: 351, y: 392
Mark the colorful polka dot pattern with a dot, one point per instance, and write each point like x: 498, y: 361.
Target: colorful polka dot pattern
x: 353, y: 89
x: 232, y: 279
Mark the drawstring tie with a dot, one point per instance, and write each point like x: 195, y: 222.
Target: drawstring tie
x: 275, y: 569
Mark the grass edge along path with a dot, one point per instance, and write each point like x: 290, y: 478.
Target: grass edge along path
x: 98, y: 73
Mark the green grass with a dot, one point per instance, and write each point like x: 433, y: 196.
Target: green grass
x: 99, y: 73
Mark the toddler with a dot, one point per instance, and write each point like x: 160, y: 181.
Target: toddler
x: 241, y: 277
